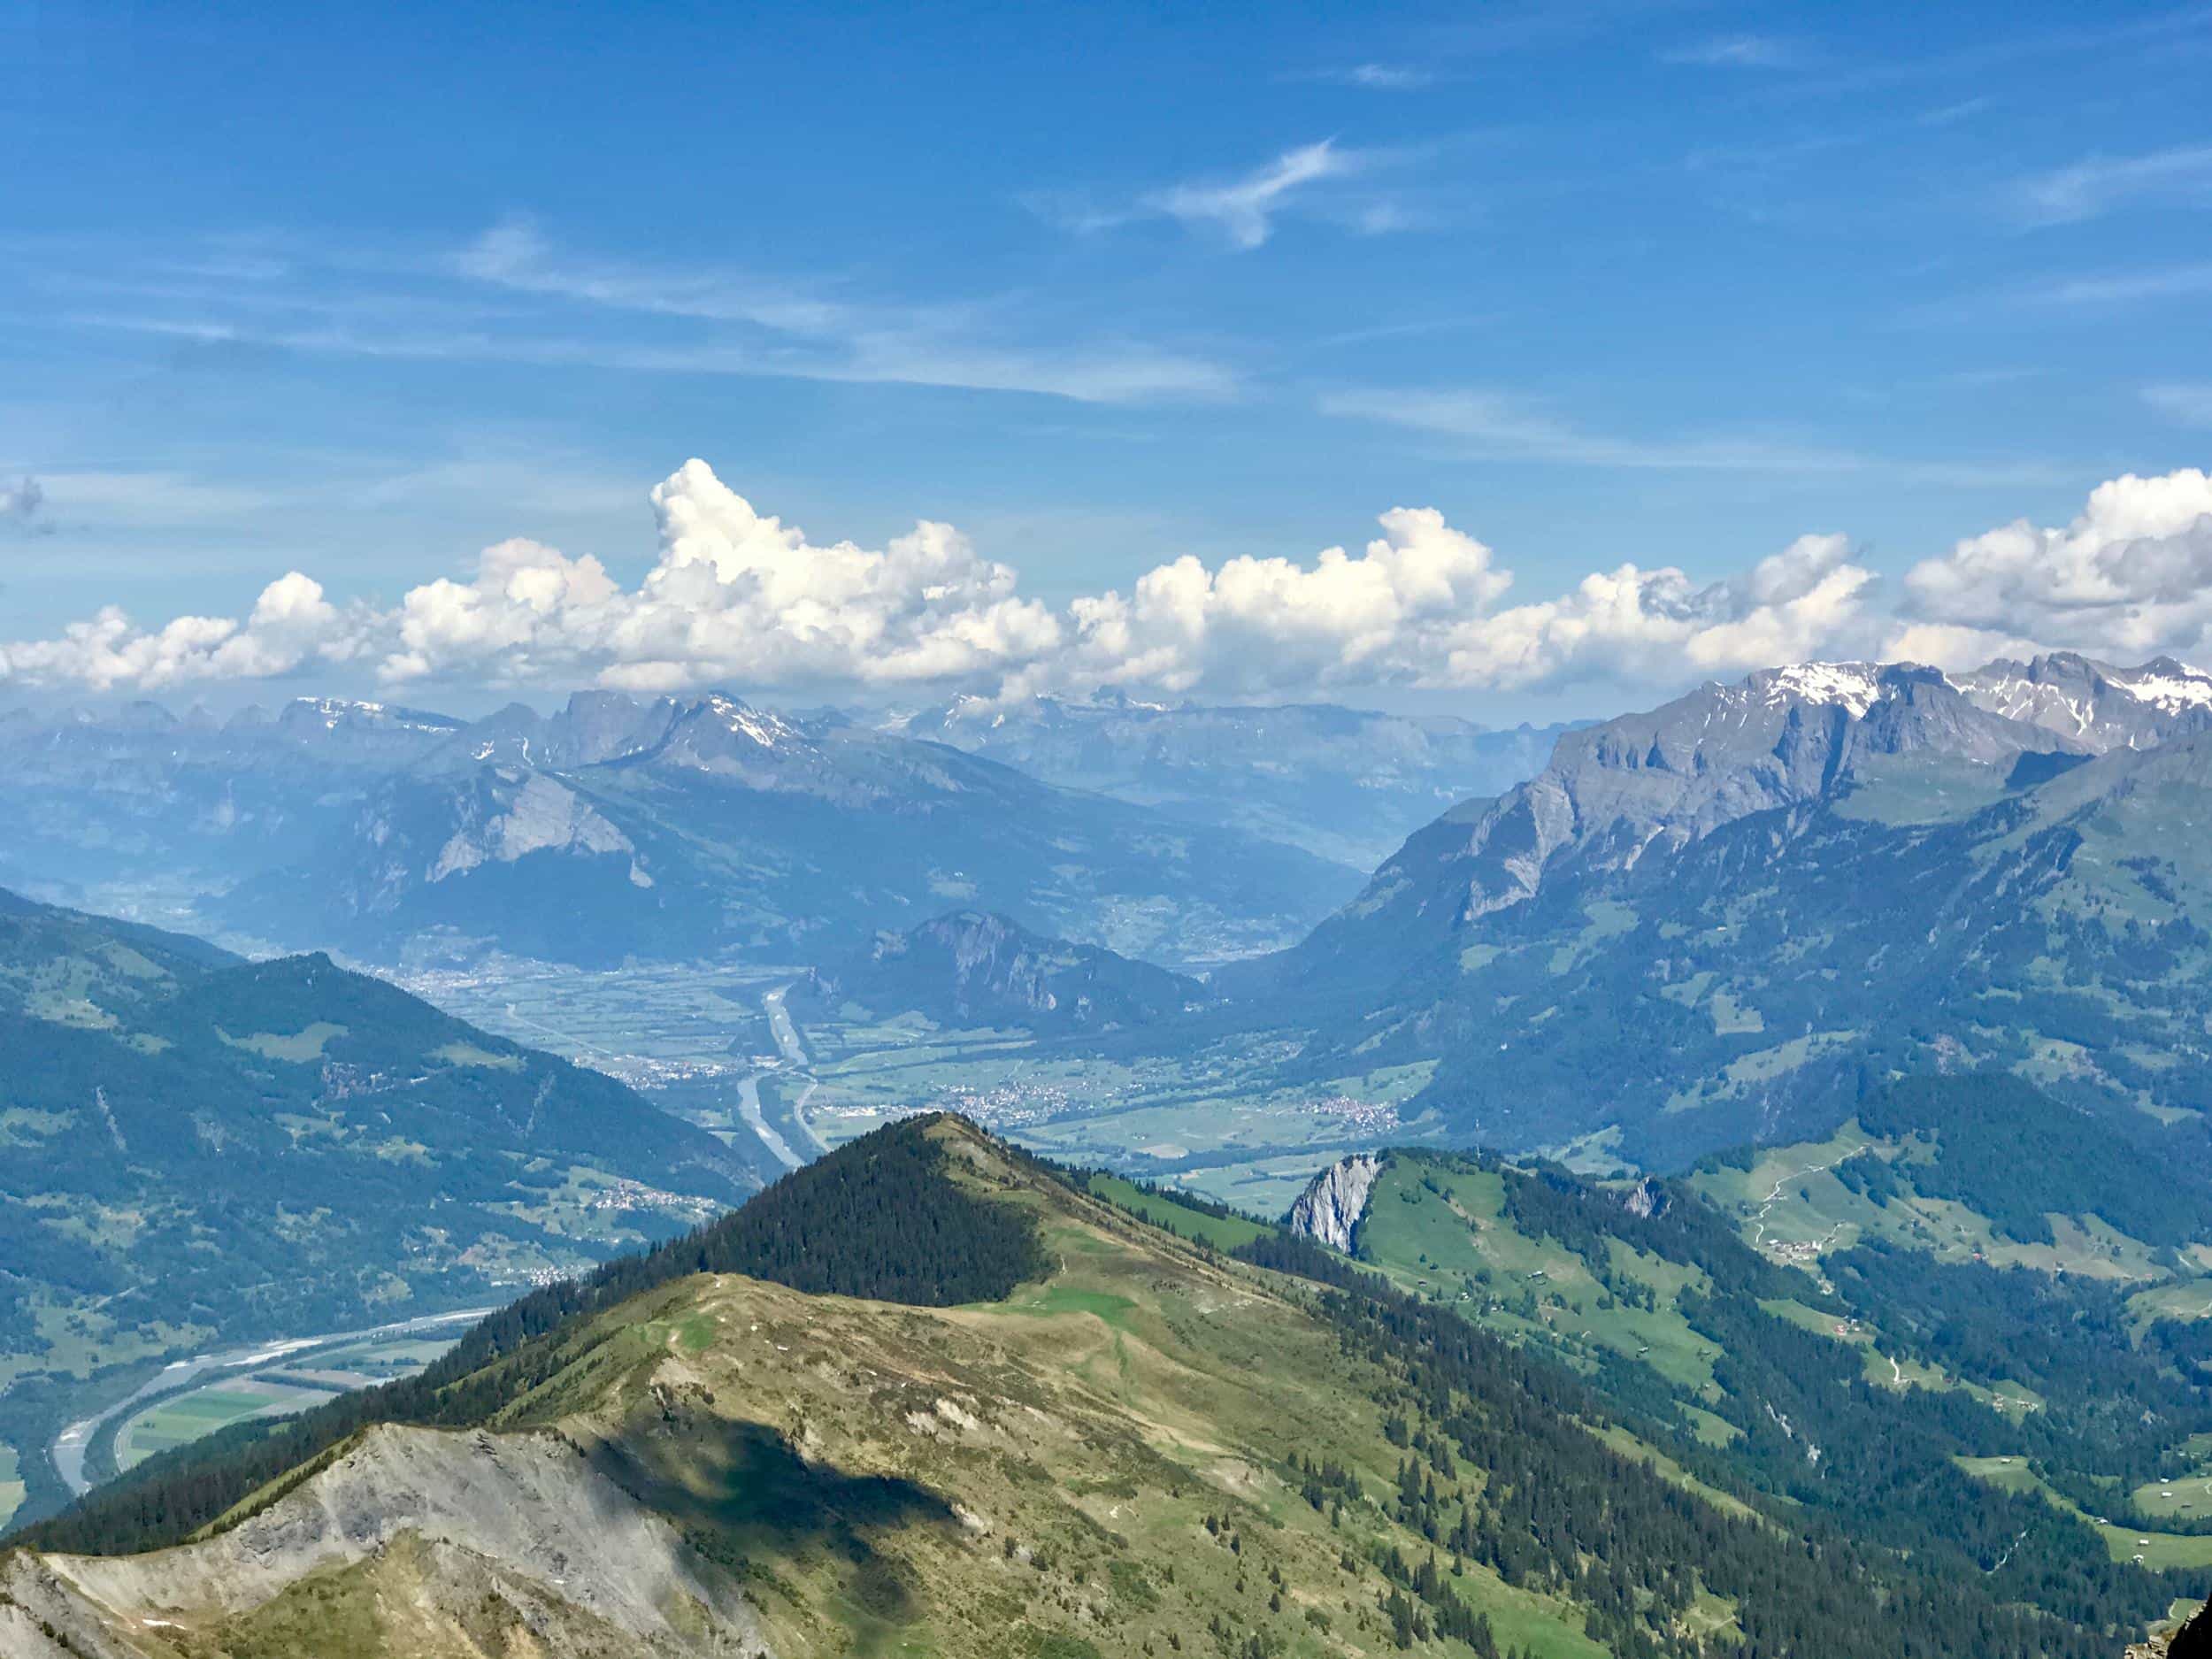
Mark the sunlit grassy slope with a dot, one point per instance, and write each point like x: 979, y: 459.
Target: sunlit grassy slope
x: 1095, y: 1465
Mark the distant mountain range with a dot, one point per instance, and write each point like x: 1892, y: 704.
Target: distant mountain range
x: 1347, y: 784
x: 1721, y: 920
x: 617, y: 827
x: 1728, y: 918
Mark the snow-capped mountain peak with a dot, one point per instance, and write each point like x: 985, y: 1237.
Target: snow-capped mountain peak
x: 2095, y: 703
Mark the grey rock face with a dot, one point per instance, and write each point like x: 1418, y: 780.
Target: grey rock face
x: 1330, y: 1207
x: 2095, y: 704
x: 1616, y: 792
x: 526, y: 1513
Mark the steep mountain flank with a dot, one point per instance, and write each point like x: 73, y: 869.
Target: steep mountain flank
x: 1140, y: 1445
x: 973, y: 968
x: 614, y: 827
x: 711, y: 829
x: 1347, y: 784
x: 2095, y: 704
x: 1730, y: 918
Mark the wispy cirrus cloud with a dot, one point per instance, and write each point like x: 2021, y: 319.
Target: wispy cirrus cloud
x: 2120, y: 288
x: 2097, y: 185
x: 1242, y: 209
x: 1741, y: 51
x: 1503, y: 423
x: 2191, y: 404
x: 1491, y: 422
x: 1371, y: 77
x: 514, y: 295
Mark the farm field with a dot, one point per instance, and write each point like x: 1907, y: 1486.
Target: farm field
x: 272, y: 1383
x: 1793, y: 1205
x: 684, y: 1036
x: 2158, y: 1551
x: 184, y: 1418
x: 11, y: 1485
x: 1210, y: 1119
x: 1437, y: 1226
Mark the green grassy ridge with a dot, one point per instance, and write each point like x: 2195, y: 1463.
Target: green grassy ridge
x: 1208, y: 1224
x: 1234, y: 1408
x: 867, y: 1219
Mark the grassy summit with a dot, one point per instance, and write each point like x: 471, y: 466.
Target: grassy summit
x: 1043, y: 1426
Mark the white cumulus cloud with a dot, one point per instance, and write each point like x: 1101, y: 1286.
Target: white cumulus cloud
x: 1632, y: 624
x: 736, y: 597
x: 292, y: 626
x: 2130, y: 577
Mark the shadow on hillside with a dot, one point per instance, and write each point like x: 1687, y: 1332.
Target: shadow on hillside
x: 740, y: 1490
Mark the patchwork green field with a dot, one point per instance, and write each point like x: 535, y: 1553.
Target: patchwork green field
x: 2158, y: 1551
x: 1798, y: 1203
x: 1437, y: 1226
x: 2184, y: 1497
x: 1212, y: 1119
x: 11, y: 1486
x: 187, y: 1418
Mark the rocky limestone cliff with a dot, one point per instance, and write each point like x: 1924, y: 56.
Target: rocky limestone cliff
x: 520, y: 1530
x: 1330, y: 1207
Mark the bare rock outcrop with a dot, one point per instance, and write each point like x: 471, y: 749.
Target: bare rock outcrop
x: 1330, y: 1207
x: 526, y: 1518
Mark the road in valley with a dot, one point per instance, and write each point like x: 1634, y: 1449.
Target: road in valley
x: 70, y: 1447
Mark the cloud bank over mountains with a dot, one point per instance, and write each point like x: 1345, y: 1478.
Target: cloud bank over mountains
x: 735, y: 597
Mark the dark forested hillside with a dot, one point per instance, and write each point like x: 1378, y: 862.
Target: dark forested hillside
x: 1866, y: 1394
x: 196, y: 1149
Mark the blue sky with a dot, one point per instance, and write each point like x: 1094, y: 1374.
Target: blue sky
x: 359, y: 292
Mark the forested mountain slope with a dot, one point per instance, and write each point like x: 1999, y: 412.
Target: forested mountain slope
x: 196, y: 1147
x: 1048, y: 1428
x: 2009, y: 1425
x: 1731, y: 919
x: 972, y: 968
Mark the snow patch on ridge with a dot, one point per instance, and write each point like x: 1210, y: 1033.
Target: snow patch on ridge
x: 2173, y: 692
x: 1856, y: 686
